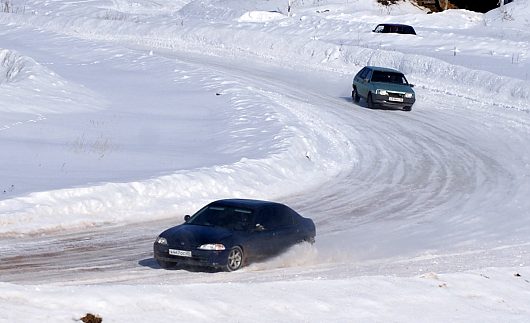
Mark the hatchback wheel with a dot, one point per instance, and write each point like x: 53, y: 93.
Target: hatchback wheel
x: 355, y: 96
x: 235, y: 259
x: 370, y: 101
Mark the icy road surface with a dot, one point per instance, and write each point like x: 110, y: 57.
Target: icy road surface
x: 420, y: 189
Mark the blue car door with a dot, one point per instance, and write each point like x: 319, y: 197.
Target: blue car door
x: 265, y: 234
x: 279, y: 229
x: 284, y: 232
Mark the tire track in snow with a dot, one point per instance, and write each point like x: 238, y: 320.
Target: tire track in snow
x: 449, y: 185
x: 417, y: 176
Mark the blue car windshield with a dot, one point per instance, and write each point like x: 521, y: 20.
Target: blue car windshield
x: 388, y: 77
x: 228, y: 217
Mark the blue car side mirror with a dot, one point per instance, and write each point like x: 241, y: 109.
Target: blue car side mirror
x: 187, y: 217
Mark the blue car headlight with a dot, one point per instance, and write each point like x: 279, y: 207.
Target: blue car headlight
x: 212, y: 246
x: 161, y: 240
x: 381, y: 92
x: 409, y: 95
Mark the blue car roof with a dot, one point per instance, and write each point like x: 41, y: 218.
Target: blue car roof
x: 248, y: 203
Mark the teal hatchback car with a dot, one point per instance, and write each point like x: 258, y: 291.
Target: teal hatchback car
x: 383, y: 88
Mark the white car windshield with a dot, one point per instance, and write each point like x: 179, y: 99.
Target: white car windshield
x: 388, y: 77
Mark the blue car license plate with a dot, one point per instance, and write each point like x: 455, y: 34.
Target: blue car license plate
x: 181, y: 253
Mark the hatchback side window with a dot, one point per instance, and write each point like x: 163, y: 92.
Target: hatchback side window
x: 364, y: 73
x: 360, y: 73
x: 369, y: 75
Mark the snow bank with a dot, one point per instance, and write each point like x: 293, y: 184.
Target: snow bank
x: 14, y: 67
x: 29, y: 87
x: 290, y: 47
x: 301, y: 52
x: 126, y: 6
x: 215, y: 10
x: 514, y: 14
x: 489, y: 295
x: 182, y: 193
x: 287, y: 43
x: 260, y: 16
x: 308, y: 152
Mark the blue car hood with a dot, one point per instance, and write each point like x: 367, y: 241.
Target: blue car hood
x: 192, y: 236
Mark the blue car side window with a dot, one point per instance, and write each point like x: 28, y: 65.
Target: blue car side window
x: 266, y: 218
x: 243, y: 220
x: 285, y: 218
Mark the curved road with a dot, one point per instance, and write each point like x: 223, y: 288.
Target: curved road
x: 420, y: 190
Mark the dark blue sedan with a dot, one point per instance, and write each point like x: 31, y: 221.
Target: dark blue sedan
x: 229, y: 234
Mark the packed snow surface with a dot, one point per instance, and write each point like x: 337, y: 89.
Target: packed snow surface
x: 117, y: 118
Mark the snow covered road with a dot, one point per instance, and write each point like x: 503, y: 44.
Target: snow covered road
x: 398, y: 189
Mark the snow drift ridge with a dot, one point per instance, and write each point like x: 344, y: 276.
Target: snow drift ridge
x: 293, y: 50
x: 13, y: 66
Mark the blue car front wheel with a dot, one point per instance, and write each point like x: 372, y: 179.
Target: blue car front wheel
x: 235, y: 259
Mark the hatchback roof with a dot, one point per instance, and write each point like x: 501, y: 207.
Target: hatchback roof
x: 383, y: 69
